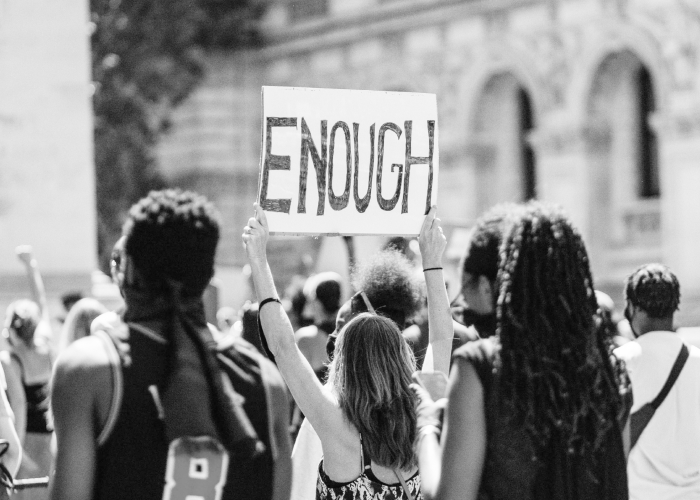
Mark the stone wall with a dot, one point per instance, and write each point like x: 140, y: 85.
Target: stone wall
x: 576, y: 61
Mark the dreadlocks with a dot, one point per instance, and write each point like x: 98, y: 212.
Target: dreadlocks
x: 556, y: 367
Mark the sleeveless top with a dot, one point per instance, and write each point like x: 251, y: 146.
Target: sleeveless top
x: 366, y: 486
x: 37, y: 396
x: 132, y: 453
x: 515, y: 470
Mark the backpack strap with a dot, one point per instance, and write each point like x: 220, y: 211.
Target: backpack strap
x: 672, y: 377
x: 117, y: 385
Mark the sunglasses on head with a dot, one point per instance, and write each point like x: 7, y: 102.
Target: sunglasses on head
x: 360, y: 303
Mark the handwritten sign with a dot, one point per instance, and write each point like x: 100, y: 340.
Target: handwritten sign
x: 347, y: 162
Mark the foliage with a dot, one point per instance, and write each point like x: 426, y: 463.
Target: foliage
x: 147, y: 57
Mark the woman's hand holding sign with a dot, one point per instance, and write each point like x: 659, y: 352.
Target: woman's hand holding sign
x: 255, y: 236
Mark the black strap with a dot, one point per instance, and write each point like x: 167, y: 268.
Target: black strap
x: 672, y: 377
x: 366, y: 460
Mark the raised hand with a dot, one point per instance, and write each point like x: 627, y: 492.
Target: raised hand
x: 25, y: 253
x: 431, y: 241
x: 255, y: 236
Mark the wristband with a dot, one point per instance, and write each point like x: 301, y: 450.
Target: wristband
x: 432, y: 269
x: 269, y: 299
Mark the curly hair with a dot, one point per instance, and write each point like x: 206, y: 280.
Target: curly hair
x: 654, y: 289
x: 389, y: 282
x: 371, y: 374
x: 556, y: 364
x: 172, y: 234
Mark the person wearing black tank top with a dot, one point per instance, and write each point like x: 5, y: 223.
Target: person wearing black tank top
x: 535, y: 412
x: 145, y: 407
x: 366, y: 409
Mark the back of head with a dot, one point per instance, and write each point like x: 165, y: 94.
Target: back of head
x: 79, y: 319
x: 327, y: 288
x: 555, y: 362
x: 389, y: 281
x: 654, y: 289
x: 172, y: 235
x: 371, y: 374
x: 23, y: 317
x: 481, y: 257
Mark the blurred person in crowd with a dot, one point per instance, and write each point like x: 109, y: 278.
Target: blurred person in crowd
x: 387, y: 286
x: 78, y: 321
x: 606, y: 309
x: 295, y: 303
x: 365, y: 415
x: 28, y: 365
x: 664, y: 462
x: 322, y: 292
x: 533, y: 411
x: 417, y: 334
x: 226, y: 317
x: 69, y: 299
x: 146, y: 397
x: 249, y: 324
x: 43, y: 333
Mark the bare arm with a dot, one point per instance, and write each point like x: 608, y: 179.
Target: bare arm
x: 36, y: 283
x: 15, y: 394
x: 13, y: 456
x: 282, y: 473
x: 316, y: 402
x: 451, y: 469
x: 73, y: 391
x: 440, y: 327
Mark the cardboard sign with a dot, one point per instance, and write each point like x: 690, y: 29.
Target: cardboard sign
x: 347, y: 162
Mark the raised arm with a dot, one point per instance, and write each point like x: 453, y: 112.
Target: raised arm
x: 451, y: 464
x: 440, y: 327
x: 315, y: 401
x: 36, y: 283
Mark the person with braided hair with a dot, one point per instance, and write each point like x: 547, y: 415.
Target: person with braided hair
x: 534, y: 411
x: 664, y: 462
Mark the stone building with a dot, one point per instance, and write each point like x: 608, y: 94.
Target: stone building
x: 47, y: 187
x: 593, y: 104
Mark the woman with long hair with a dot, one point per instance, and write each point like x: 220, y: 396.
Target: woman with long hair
x: 533, y: 412
x: 365, y: 415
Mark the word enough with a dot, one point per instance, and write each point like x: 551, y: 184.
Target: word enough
x: 323, y: 164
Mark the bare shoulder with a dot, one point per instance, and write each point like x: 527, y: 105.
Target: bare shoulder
x: 84, y: 362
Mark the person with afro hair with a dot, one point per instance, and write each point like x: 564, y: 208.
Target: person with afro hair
x: 665, y: 460
x: 149, y: 393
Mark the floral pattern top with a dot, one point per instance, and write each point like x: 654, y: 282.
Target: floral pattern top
x: 366, y: 486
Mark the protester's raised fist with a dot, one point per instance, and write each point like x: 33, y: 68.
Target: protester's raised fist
x: 431, y: 241
x: 25, y: 253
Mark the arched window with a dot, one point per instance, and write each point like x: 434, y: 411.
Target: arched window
x: 648, y: 162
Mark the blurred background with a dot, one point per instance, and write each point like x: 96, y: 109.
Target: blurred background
x: 593, y: 104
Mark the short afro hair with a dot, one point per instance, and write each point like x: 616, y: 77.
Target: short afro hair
x: 654, y: 289
x: 172, y: 235
x: 389, y: 282
x: 481, y: 257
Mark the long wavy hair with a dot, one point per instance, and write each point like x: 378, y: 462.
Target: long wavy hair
x: 371, y: 373
x: 556, y: 365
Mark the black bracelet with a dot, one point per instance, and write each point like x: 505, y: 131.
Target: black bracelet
x: 432, y: 269
x: 269, y: 299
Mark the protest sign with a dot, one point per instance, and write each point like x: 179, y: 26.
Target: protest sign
x: 347, y: 162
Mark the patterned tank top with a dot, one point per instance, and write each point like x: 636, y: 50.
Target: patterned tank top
x: 366, y: 486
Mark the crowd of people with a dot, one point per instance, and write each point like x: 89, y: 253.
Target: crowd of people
x: 522, y: 387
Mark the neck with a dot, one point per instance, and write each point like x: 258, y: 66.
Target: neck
x: 656, y: 324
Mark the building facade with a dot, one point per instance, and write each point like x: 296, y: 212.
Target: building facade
x: 593, y: 104
x: 47, y: 187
